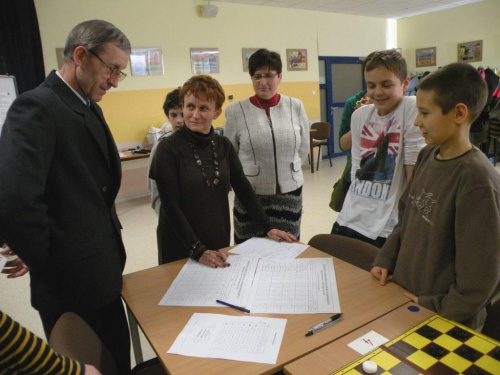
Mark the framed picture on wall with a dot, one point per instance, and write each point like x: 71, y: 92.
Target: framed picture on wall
x: 245, y: 56
x: 470, y: 51
x: 425, y: 56
x: 146, y: 62
x: 296, y: 59
x: 204, y: 60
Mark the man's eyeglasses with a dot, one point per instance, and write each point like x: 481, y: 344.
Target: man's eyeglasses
x: 267, y: 76
x: 115, y: 73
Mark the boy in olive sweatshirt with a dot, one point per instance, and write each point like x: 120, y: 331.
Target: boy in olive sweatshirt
x: 445, y: 249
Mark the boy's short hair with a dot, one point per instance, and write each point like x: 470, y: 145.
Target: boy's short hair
x: 172, y: 101
x: 206, y: 85
x: 457, y: 83
x: 263, y: 58
x: 391, y: 59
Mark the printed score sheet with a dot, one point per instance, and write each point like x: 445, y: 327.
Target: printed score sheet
x: 199, y: 285
x: 269, y: 249
x: 239, y: 338
x: 301, y: 286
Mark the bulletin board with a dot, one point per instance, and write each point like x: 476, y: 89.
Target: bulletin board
x: 8, y: 93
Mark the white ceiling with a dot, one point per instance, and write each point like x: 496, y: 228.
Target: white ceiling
x: 370, y: 8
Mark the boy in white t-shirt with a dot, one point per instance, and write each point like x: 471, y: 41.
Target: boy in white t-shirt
x: 385, y: 145
x: 173, y: 110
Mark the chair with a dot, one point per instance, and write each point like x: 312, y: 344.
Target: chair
x: 350, y: 250
x: 491, y: 326
x: 319, y: 138
x: 74, y: 338
x: 150, y: 367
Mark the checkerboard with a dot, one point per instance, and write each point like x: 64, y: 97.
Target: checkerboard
x: 437, y: 346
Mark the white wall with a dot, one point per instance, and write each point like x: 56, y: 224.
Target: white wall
x: 444, y: 30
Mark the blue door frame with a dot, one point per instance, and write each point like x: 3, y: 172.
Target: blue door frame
x: 331, y: 104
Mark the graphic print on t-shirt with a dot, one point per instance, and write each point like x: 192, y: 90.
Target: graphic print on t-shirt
x: 379, y: 152
x: 424, y: 202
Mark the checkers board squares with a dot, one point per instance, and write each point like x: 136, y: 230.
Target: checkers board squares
x: 437, y: 346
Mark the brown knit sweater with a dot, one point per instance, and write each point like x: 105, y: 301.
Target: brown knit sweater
x: 446, y: 247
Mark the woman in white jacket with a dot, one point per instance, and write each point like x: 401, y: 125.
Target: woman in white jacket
x: 271, y: 135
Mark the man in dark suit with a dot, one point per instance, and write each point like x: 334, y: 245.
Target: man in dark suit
x: 60, y: 173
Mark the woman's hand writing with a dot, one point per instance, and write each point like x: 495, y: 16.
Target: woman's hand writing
x: 214, y: 259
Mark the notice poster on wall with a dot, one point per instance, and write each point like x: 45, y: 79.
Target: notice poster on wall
x: 146, y: 62
x: 8, y: 93
x: 204, y: 60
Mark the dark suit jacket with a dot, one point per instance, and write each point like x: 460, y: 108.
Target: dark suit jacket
x: 60, y: 173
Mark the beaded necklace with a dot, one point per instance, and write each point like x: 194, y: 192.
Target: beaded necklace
x: 200, y: 164
x: 268, y: 114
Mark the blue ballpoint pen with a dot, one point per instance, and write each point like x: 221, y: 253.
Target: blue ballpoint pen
x: 233, y: 306
x: 327, y: 323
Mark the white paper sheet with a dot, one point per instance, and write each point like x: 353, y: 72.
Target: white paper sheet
x: 269, y: 249
x: 239, y: 338
x: 199, y: 285
x: 303, y: 286
x: 367, y: 342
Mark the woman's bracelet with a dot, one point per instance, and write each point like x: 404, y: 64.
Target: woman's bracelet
x: 197, y: 250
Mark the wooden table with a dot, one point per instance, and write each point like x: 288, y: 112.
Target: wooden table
x: 362, y: 300
x: 336, y: 355
x: 134, y: 175
x: 311, y: 148
x: 128, y: 155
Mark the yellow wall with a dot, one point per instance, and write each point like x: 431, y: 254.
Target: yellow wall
x: 175, y: 26
x: 131, y: 113
x: 445, y: 29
